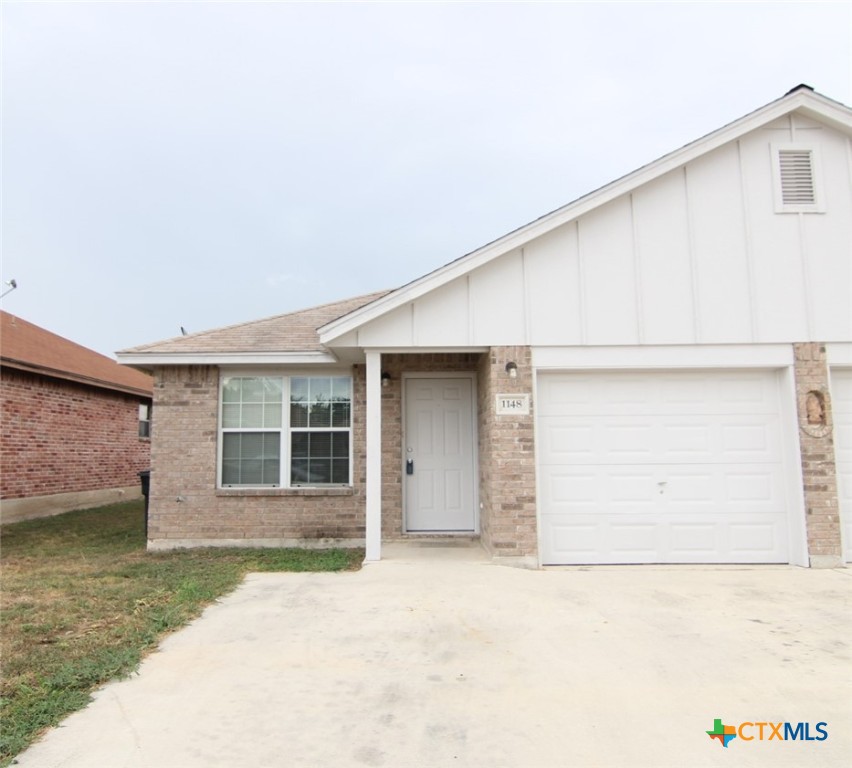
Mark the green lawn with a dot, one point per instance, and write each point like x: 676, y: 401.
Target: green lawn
x: 82, y: 602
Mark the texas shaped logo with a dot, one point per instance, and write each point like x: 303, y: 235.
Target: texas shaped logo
x: 722, y: 732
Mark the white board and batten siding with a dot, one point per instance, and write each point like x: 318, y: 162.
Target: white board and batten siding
x: 662, y: 467
x: 698, y: 255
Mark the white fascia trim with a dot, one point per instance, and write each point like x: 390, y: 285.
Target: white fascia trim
x: 425, y: 350
x: 146, y: 360
x: 810, y: 103
x: 676, y: 356
x: 839, y: 354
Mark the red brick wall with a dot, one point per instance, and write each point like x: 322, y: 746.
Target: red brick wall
x: 60, y: 437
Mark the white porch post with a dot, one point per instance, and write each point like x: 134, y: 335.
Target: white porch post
x: 374, y: 456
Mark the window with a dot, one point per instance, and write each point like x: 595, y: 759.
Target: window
x: 796, y: 179
x: 144, y: 420
x: 319, y: 430
x: 306, y: 443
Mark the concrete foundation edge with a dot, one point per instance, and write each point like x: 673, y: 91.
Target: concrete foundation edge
x: 827, y: 561
x: 33, y: 507
x: 163, y: 545
x: 529, y: 562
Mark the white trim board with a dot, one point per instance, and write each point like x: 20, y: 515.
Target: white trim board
x: 675, y: 356
x: 147, y: 360
x: 839, y: 355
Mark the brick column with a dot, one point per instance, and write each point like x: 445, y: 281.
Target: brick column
x: 816, y: 441
x: 507, y: 459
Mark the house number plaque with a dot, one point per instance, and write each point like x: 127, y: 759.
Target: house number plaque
x: 514, y: 405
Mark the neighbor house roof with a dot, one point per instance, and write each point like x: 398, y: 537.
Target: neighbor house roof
x: 801, y: 99
x: 289, y: 338
x: 26, y: 347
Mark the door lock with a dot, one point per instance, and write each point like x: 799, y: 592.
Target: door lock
x: 409, y: 466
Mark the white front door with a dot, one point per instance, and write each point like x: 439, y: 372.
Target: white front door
x: 438, y: 460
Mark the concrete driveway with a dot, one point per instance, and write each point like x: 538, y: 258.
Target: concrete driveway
x: 437, y: 657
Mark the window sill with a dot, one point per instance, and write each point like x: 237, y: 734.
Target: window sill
x: 335, y: 491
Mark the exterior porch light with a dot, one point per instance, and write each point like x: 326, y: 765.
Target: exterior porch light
x: 512, y: 370
x: 386, y: 377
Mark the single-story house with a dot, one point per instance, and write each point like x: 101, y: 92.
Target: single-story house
x: 74, y: 424
x: 657, y: 372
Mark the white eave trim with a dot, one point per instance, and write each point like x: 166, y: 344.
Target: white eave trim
x: 808, y: 102
x: 150, y: 359
x: 672, y: 356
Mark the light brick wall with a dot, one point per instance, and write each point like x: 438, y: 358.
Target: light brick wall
x: 818, y: 464
x: 183, y: 462
x: 392, y: 458
x: 60, y: 437
x: 507, y: 457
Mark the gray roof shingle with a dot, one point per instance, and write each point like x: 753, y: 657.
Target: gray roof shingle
x: 293, y: 332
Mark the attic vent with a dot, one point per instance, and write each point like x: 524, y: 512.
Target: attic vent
x: 797, y: 177
x: 796, y: 172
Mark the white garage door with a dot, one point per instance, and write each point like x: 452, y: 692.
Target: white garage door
x: 841, y: 403
x: 661, y: 467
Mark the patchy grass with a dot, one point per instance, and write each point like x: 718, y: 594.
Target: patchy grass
x: 82, y: 602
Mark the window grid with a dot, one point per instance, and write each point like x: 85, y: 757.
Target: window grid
x: 320, y: 421
x: 266, y: 443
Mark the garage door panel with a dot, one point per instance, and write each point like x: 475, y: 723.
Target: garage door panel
x: 570, y: 441
x: 716, y: 489
x: 694, y: 539
x: 686, y: 441
x: 843, y: 443
x: 669, y: 439
x: 750, y: 440
x: 644, y: 538
x: 626, y: 442
x: 694, y: 473
x: 697, y: 393
x: 757, y: 489
x: 753, y: 541
x: 634, y: 539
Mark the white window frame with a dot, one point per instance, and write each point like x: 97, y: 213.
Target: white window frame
x: 144, y: 418
x: 818, y: 206
x: 285, y: 430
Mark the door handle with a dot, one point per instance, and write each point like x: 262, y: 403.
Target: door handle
x: 409, y: 466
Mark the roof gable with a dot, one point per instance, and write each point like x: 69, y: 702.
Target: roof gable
x: 802, y: 100
x: 27, y: 347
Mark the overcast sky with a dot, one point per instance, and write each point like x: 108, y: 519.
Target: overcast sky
x: 195, y: 164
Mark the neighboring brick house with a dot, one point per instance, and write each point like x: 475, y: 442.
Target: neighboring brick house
x: 74, y: 425
x: 658, y: 372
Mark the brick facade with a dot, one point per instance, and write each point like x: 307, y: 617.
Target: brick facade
x: 507, y: 457
x: 60, y: 437
x: 185, y: 506
x: 817, y: 450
